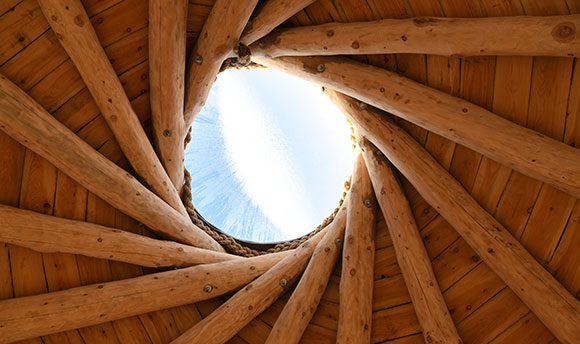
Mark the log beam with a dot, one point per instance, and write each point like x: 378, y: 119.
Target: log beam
x: 167, y: 36
x: 269, y: 16
x: 218, y: 39
x: 305, y: 299
x: 429, y: 304
x: 50, y: 234
x: 519, y: 148
x: 245, y: 305
x: 33, y: 316
x: 358, y: 258
x: 73, y: 28
x: 536, y: 287
x: 28, y: 123
x: 512, y: 36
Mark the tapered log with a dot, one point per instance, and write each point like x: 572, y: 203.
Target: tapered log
x: 28, y: 123
x: 33, y: 316
x: 430, y: 307
x: 269, y: 16
x: 358, y: 258
x: 218, y: 39
x: 536, y: 287
x: 71, y: 24
x: 521, y: 149
x: 167, y: 35
x: 245, y: 305
x: 305, y: 299
x: 512, y: 36
x: 44, y: 233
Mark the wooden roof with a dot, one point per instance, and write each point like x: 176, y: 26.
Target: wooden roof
x: 541, y: 212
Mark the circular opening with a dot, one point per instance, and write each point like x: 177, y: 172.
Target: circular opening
x: 269, y: 155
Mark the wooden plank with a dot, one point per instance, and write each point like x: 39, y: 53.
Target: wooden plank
x: 356, y: 284
x: 71, y: 24
x: 564, y: 265
x: 93, y: 304
x: 40, y: 131
x: 394, y: 323
x: 517, y: 147
x: 534, y: 285
x: 526, y: 330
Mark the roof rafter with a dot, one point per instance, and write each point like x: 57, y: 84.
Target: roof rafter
x: 429, y: 304
x: 358, y: 260
x: 269, y: 16
x: 75, y: 32
x: 167, y: 36
x: 28, y: 123
x: 33, y: 316
x: 535, y: 36
x: 45, y: 233
x: 218, y: 39
x: 245, y: 305
x: 517, y: 147
x: 536, y: 287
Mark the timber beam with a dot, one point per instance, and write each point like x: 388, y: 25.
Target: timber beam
x: 429, y: 304
x: 28, y: 123
x: 519, y: 148
x: 49, y: 234
x: 512, y: 36
x: 216, y: 42
x: 358, y: 261
x: 73, y: 28
x: 536, y: 287
x: 33, y: 316
x: 167, y: 36
x: 249, y: 302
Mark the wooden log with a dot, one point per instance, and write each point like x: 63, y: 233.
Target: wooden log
x: 269, y: 16
x: 512, y: 36
x: 430, y: 307
x: 304, y: 301
x: 218, y: 39
x: 28, y: 123
x: 358, y: 258
x: 519, y: 148
x: 245, y: 305
x: 71, y: 24
x: 167, y: 36
x: 44, y: 233
x: 535, y: 286
x: 32, y: 316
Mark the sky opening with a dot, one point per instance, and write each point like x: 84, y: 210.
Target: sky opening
x: 269, y: 155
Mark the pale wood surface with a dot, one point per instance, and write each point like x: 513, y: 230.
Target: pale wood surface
x: 98, y: 303
x: 522, y: 149
x: 358, y: 257
x: 535, y: 36
x: 167, y: 35
x: 28, y: 123
x: 536, y: 287
x: 74, y: 30
x: 299, y: 310
x: 269, y: 16
x: 245, y: 305
x: 220, y: 35
x: 428, y: 302
x: 44, y: 233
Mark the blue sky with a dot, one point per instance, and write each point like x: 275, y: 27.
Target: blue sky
x: 269, y: 155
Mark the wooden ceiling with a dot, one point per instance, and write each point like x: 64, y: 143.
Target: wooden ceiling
x: 540, y: 93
